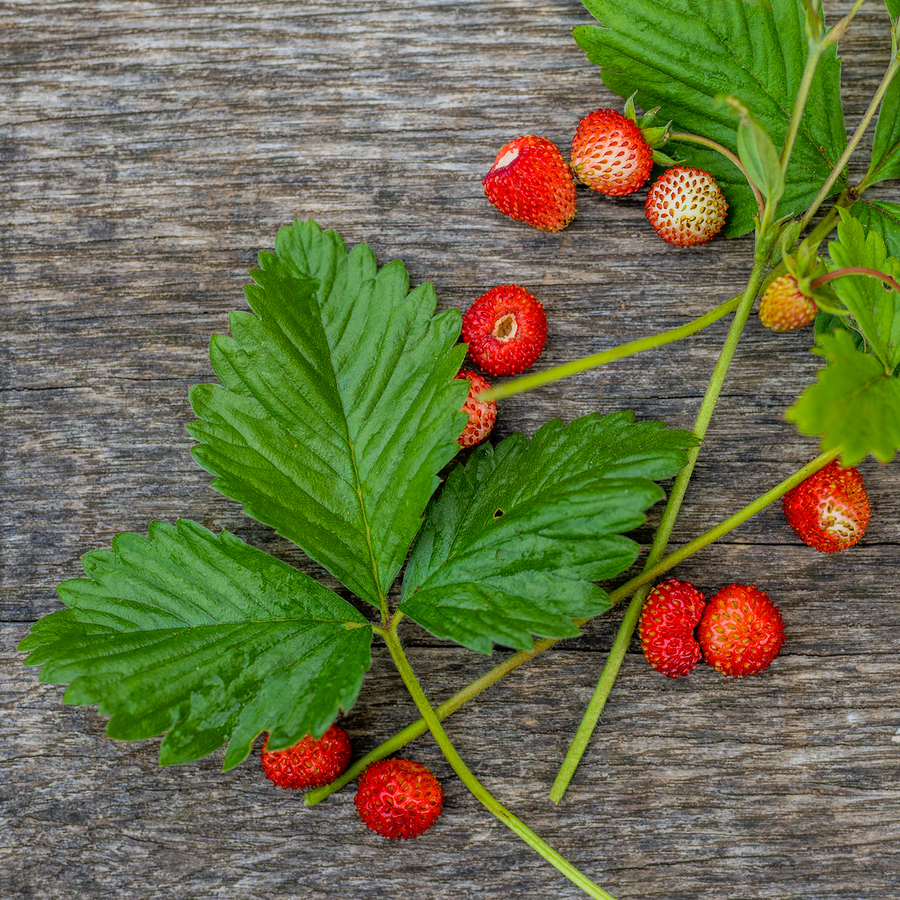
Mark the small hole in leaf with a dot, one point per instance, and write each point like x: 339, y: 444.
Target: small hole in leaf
x: 498, y: 513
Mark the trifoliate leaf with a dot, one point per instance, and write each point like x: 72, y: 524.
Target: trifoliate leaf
x: 337, y: 407
x: 886, y: 143
x: 883, y: 218
x: 854, y: 406
x: 682, y: 55
x: 517, y: 536
x: 204, y: 638
x: 875, y: 306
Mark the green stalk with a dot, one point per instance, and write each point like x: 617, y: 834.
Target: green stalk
x: 548, y: 376
x: 724, y: 151
x: 806, y: 80
x: 472, y: 783
x: 476, y: 687
x: 647, y: 576
x: 767, y: 235
x: 667, y: 523
x: 852, y: 144
x: 633, y: 614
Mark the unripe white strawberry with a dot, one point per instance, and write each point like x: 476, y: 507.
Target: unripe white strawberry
x: 686, y: 207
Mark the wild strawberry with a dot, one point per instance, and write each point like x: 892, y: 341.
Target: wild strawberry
x: 686, y: 207
x: 398, y: 799
x: 830, y: 510
x: 531, y: 182
x: 506, y: 329
x: 784, y: 307
x: 667, y: 624
x: 610, y: 153
x: 741, y: 630
x: 482, y: 416
x: 310, y: 762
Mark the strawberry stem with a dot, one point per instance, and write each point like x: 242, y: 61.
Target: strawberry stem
x: 548, y: 376
x: 837, y: 171
x: 812, y: 61
x: 472, y: 783
x: 673, y: 505
x: 633, y: 614
x: 648, y: 575
x: 686, y: 137
x: 854, y: 270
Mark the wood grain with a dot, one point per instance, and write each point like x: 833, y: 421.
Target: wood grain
x: 148, y: 151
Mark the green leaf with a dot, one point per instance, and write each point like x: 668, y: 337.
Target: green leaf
x: 882, y: 217
x: 337, y: 407
x: 886, y: 143
x: 760, y: 159
x: 512, y: 545
x: 875, y: 306
x: 680, y: 55
x: 854, y: 406
x: 204, y: 638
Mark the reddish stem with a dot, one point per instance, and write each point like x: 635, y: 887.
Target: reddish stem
x: 854, y: 270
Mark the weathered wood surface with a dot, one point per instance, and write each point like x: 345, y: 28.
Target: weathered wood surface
x: 149, y: 150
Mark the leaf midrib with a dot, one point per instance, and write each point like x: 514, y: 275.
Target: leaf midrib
x: 358, y: 482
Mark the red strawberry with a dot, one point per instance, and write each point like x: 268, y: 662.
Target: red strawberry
x: 686, y: 207
x: 830, y: 510
x: 398, y: 799
x: 741, y: 630
x: 667, y: 624
x: 531, y: 182
x: 506, y: 329
x: 482, y: 416
x: 610, y: 153
x: 310, y: 762
x: 784, y: 307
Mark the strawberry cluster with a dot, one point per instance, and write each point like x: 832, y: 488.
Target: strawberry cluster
x: 613, y: 154
x: 532, y: 182
x: 740, y: 630
x: 505, y: 328
x: 396, y: 798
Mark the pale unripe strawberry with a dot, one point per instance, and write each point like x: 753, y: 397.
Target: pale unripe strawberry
x: 686, y: 207
x: 610, y: 153
x: 531, y: 182
x: 784, y: 307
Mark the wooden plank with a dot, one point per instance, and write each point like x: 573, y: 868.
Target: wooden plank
x: 148, y: 151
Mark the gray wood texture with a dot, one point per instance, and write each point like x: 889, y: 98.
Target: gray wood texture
x: 148, y: 151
